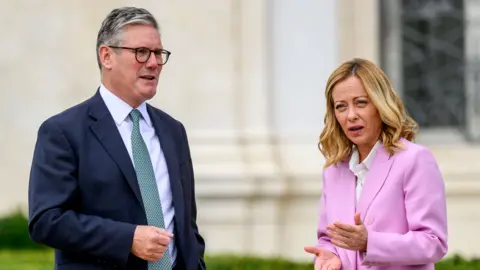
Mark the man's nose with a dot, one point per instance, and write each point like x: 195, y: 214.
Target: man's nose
x: 152, y: 61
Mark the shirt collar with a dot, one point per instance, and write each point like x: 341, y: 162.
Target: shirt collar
x: 119, y: 109
x: 367, y: 162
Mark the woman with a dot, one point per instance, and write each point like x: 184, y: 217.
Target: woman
x: 383, y: 202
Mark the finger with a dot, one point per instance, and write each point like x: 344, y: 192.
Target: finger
x: 156, y: 256
x: 162, y: 239
x: 358, y: 220
x: 312, y: 250
x: 164, y: 232
x: 341, y: 232
x: 343, y: 226
x: 318, y: 264
x: 332, y: 266
x: 160, y: 255
x: 159, y: 248
x: 340, y: 238
x: 340, y: 244
x: 151, y: 258
x: 325, y: 267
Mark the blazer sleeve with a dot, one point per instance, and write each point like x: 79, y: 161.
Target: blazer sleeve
x: 53, y: 189
x: 199, y: 238
x: 425, y: 205
x: 323, y: 239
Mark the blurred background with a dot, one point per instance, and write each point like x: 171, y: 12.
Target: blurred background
x: 247, y: 79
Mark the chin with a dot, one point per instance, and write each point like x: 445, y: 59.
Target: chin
x: 148, y: 93
x: 358, y: 140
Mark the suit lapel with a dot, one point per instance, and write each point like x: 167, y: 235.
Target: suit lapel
x: 375, y: 179
x: 167, y: 143
x: 107, y: 133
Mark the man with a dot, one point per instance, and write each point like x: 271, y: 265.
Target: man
x: 112, y: 184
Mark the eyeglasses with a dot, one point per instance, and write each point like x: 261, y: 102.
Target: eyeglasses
x: 142, y: 54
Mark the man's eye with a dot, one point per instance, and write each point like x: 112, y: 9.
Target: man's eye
x: 142, y: 51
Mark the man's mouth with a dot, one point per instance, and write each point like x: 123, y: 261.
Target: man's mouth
x: 148, y: 77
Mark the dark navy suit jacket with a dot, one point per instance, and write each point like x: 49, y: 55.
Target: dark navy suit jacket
x: 84, y: 200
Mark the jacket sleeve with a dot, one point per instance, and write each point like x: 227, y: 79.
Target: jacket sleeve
x: 425, y: 205
x: 53, y: 190
x: 323, y: 239
x: 199, y: 238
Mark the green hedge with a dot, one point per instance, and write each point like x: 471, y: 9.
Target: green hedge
x: 43, y: 260
x: 251, y: 263
x: 14, y: 232
x: 17, y: 251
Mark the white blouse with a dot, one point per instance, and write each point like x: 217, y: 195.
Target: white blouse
x: 361, y: 170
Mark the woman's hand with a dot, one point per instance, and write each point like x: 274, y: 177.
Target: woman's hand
x: 325, y: 260
x: 352, y: 237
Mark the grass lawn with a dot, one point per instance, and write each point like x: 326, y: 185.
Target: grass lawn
x: 26, y: 260
x: 43, y: 260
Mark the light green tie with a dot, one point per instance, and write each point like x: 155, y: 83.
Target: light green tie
x: 148, y: 187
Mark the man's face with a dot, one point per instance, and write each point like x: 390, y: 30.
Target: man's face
x: 136, y: 82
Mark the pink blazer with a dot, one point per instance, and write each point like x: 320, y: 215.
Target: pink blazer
x: 402, y: 205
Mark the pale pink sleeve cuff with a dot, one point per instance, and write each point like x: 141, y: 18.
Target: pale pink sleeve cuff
x: 366, y: 257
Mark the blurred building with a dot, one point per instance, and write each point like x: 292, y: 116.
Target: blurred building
x: 247, y: 79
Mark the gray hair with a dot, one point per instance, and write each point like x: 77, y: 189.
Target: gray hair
x: 113, y: 25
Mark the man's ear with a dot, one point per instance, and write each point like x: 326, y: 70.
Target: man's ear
x: 106, y: 55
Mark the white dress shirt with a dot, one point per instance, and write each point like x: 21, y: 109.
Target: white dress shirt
x: 120, y: 111
x: 361, y: 170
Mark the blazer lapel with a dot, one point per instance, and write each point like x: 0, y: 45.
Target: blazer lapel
x: 167, y: 143
x: 107, y: 133
x: 375, y: 179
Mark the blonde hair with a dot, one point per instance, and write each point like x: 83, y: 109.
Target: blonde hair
x: 333, y: 143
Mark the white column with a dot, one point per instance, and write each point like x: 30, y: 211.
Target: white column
x: 304, y: 53
x: 358, y: 31
x: 472, y: 74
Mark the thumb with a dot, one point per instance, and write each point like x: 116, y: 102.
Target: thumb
x: 358, y: 220
x: 313, y: 250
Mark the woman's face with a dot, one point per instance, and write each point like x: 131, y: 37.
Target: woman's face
x: 356, y: 114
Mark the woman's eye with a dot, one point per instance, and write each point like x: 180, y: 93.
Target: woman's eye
x: 363, y: 102
x: 339, y: 106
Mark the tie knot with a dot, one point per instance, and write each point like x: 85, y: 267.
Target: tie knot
x: 135, y: 115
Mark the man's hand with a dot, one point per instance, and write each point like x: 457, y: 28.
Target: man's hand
x: 352, y: 237
x: 150, y: 243
x: 325, y: 260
